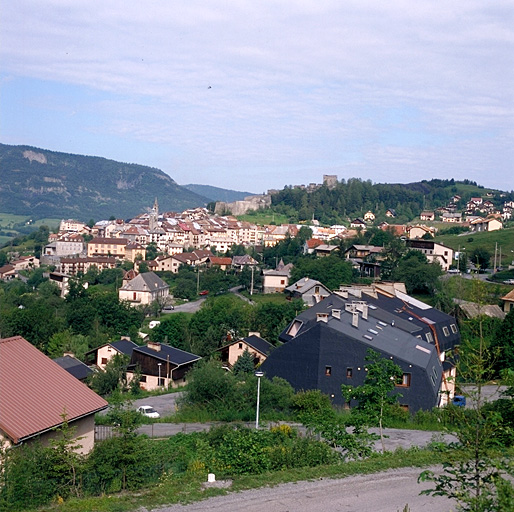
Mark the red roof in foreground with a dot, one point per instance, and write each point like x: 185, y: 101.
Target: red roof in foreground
x: 35, y: 391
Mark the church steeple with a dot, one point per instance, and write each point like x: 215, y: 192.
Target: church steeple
x: 153, y: 220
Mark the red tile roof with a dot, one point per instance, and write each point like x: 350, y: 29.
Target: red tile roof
x: 35, y: 391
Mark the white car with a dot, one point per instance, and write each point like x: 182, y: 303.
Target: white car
x: 509, y: 281
x: 148, y: 411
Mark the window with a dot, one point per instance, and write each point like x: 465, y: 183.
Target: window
x: 282, y: 281
x: 404, y: 381
x: 240, y: 346
x: 104, y: 360
x: 446, y: 331
x: 349, y: 373
x: 142, y: 378
x: 429, y: 337
x: 161, y: 381
x: 453, y: 327
x: 328, y: 371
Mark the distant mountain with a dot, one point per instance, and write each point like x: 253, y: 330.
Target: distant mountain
x: 46, y: 183
x: 218, y: 194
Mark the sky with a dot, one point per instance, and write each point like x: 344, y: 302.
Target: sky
x: 254, y: 95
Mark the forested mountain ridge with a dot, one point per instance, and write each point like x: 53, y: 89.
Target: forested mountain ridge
x: 354, y: 197
x: 216, y: 193
x: 46, y: 183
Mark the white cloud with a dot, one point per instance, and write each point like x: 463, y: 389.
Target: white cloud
x: 277, y: 85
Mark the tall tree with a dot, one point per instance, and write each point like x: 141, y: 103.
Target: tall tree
x: 376, y: 394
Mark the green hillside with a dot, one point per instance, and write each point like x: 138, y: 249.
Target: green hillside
x: 468, y: 242
x: 354, y: 197
x: 216, y: 193
x: 40, y: 183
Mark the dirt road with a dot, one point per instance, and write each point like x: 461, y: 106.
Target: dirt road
x: 388, y: 491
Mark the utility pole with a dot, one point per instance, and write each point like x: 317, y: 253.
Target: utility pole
x: 251, y: 285
x: 495, y: 252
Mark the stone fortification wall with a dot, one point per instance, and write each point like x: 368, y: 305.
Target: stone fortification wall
x: 241, y: 207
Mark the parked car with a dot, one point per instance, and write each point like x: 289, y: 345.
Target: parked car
x: 454, y: 271
x: 509, y: 281
x: 204, y: 292
x: 168, y: 308
x: 148, y: 411
x: 459, y: 401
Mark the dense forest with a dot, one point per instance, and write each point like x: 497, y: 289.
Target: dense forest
x: 354, y: 197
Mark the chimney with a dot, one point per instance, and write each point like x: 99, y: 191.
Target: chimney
x: 336, y: 313
x: 153, y: 345
x: 125, y: 338
x: 355, y: 319
x: 322, y: 317
x: 364, y: 311
x: 254, y: 333
x: 70, y: 354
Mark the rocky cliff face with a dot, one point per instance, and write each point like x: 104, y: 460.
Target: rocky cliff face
x: 45, y: 183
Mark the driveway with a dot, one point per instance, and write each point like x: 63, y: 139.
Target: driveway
x: 165, y: 405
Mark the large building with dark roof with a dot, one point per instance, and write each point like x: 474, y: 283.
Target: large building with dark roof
x: 326, y: 345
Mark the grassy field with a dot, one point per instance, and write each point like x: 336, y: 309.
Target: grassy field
x: 488, y: 240
x: 8, y: 220
x: 12, y: 225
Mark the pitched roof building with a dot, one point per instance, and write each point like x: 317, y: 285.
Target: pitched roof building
x: 35, y: 393
x: 145, y: 288
x: 325, y: 346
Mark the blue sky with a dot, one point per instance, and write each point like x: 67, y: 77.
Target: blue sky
x: 257, y: 95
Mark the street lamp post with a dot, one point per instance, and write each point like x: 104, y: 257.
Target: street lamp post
x: 159, y: 381
x: 258, y: 375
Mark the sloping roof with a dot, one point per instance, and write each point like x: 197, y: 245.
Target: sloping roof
x: 219, y: 260
x: 177, y: 356
x: 36, y: 391
x: 146, y: 282
x: 245, y: 259
x: 258, y: 343
x: 304, y: 285
x: 124, y: 346
x: 472, y: 310
x: 73, y: 366
x: 509, y: 296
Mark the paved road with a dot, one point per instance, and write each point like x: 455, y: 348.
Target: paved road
x: 187, y: 307
x: 388, y: 491
x: 165, y: 405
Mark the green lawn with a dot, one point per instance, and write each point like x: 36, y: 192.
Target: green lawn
x: 470, y: 241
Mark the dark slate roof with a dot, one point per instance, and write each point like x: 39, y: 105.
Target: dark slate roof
x: 263, y: 346
x: 177, y: 356
x: 388, y: 313
x: 148, y: 281
x: 124, y: 346
x: 72, y: 365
